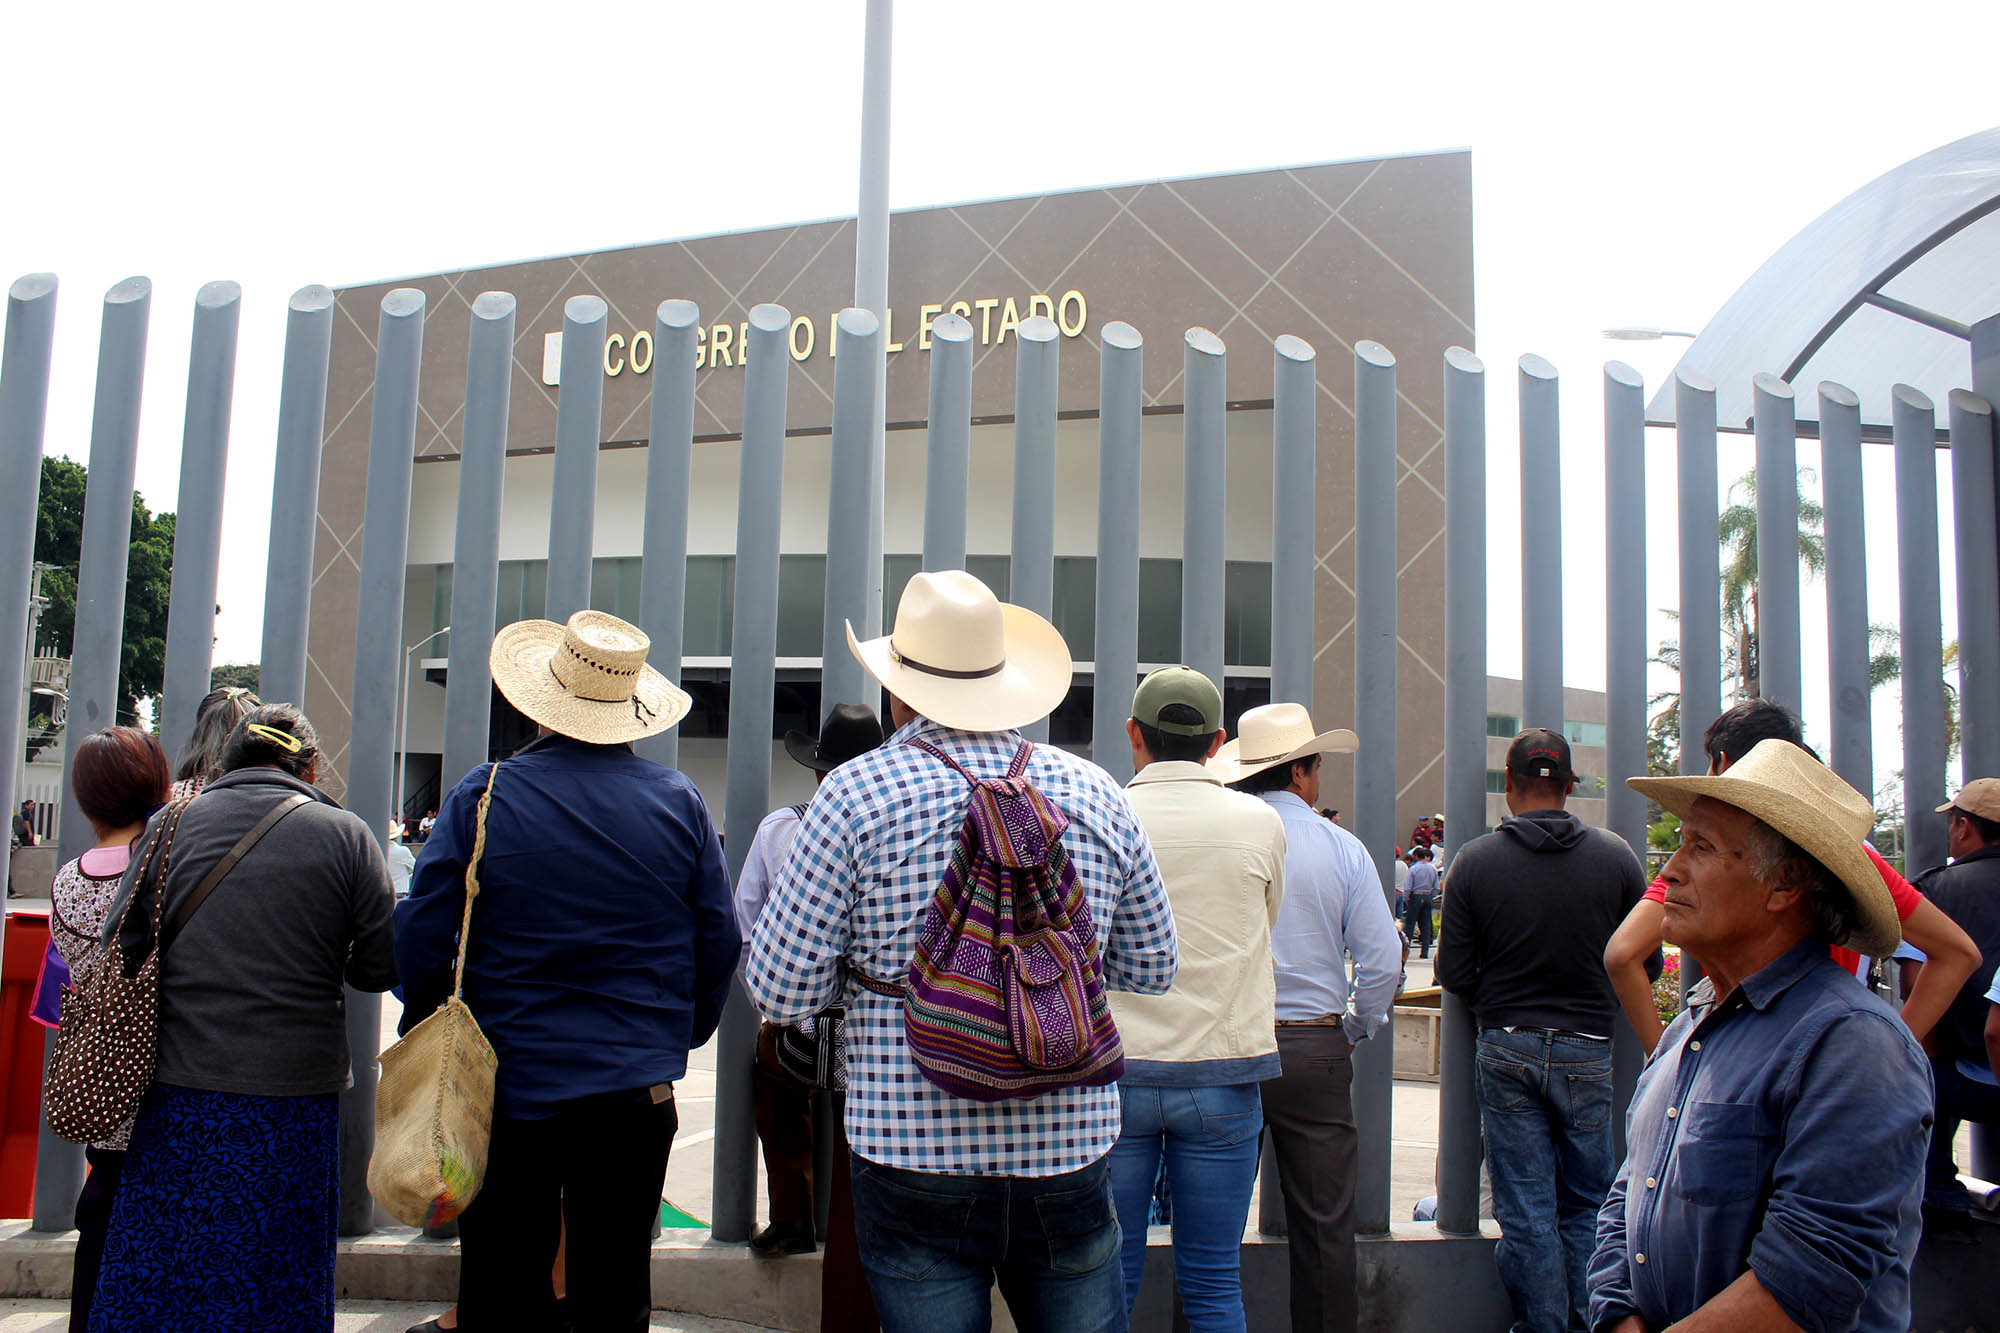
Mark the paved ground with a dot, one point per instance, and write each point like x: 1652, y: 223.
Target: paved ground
x: 351, y: 1317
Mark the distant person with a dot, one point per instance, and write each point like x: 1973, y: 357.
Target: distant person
x: 227, y: 1207
x: 1953, y: 956
x: 1195, y: 1056
x: 1968, y: 892
x: 24, y: 830
x: 425, y: 825
x: 950, y: 1193
x: 215, y: 718
x: 1334, y: 907
x: 1419, y: 919
x: 600, y: 953
x: 119, y: 777
x: 1532, y: 905
x: 1774, y: 1166
x: 781, y: 1104
x: 1403, y: 862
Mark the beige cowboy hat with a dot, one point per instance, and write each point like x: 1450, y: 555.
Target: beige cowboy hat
x: 1277, y: 734
x: 587, y: 680
x: 963, y: 658
x: 1802, y: 799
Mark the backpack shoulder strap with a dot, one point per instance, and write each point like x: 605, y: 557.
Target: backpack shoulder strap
x: 936, y: 753
x: 1021, y: 758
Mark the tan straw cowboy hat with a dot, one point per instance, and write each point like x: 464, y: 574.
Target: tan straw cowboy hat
x: 1801, y: 798
x: 587, y: 680
x: 963, y: 658
x: 1277, y: 734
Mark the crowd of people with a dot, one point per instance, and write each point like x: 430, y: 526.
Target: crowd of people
x: 1048, y: 1009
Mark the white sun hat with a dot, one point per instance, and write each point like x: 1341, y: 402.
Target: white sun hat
x: 963, y: 658
x: 1805, y: 801
x: 1277, y: 734
x: 587, y: 680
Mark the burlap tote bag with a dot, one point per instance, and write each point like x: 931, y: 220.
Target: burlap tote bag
x: 434, y: 1104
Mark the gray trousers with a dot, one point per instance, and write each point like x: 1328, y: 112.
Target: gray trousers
x: 1309, y: 1112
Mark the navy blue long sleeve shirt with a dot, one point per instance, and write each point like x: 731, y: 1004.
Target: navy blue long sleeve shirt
x: 1781, y: 1131
x: 603, y: 938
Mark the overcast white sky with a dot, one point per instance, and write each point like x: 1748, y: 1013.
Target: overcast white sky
x: 1632, y: 165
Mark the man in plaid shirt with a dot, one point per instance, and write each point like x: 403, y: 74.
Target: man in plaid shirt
x: 948, y: 1193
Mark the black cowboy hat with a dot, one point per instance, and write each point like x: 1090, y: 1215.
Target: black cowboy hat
x: 849, y: 730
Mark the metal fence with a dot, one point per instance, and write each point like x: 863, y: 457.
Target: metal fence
x: 1373, y: 570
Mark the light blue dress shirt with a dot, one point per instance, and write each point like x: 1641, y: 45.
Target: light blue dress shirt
x: 1334, y: 906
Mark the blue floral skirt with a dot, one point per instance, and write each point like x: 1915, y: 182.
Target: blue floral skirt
x: 225, y: 1216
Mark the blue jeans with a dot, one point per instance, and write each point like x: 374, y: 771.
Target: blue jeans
x: 1209, y: 1138
x: 934, y: 1244
x: 1545, y: 1109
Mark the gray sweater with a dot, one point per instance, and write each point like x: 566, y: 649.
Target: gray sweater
x: 250, y: 991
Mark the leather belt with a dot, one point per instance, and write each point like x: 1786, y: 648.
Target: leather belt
x: 1323, y: 1021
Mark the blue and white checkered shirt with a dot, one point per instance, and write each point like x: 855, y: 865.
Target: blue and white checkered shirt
x: 861, y: 874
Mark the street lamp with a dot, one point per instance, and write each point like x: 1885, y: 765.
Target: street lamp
x: 403, y: 752
x: 1641, y: 333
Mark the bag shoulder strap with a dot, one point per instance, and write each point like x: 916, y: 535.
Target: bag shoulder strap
x: 220, y: 871
x: 472, y: 882
x: 1014, y: 769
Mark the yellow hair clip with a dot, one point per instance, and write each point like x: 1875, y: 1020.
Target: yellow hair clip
x: 284, y: 740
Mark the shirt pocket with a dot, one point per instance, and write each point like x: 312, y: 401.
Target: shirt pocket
x: 1725, y: 1152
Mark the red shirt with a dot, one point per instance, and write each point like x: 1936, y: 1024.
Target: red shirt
x: 1905, y: 894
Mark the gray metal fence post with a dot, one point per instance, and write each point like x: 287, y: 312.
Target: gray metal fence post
x: 1294, y: 541
x: 1031, y: 563
x: 1375, y: 476
x: 378, y: 660
x: 1780, y: 672
x: 1701, y: 565
x: 1204, y: 503
x: 871, y: 273
x: 1541, y: 546
x: 1920, y: 611
x: 669, y: 470
x: 752, y: 681
x: 1852, y: 754
x: 1986, y: 383
x: 1120, y: 398
x: 841, y: 680
x: 281, y: 673
x: 579, y: 430
x: 949, y: 457
x: 1624, y: 663
x: 475, y: 551
x: 24, y: 401
x: 1973, y: 506
x: 198, y: 511
x: 96, y: 643
x: 1464, y: 756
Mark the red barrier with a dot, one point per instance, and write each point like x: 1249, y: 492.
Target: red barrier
x: 21, y: 1046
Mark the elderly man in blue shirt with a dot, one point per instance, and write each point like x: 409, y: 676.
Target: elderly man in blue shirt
x: 1776, y: 1142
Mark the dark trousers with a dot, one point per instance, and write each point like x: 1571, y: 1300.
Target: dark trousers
x: 93, y: 1218
x: 1959, y: 1099
x: 845, y: 1303
x: 1309, y: 1109
x: 597, y: 1166
x: 1417, y: 919
x: 783, y: 1110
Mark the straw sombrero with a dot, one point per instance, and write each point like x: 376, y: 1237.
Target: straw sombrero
x: 1277, y: 734
x: 1801, y: 798
x: 963, y: 658
x: 587, y: 679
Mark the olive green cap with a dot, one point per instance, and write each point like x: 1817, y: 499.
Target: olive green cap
x: 1178, y: 685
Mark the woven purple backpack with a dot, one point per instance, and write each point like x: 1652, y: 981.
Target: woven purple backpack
x: 1005, y: 998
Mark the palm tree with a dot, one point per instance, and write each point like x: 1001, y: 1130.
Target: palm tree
x: 1885, y: 663
x: 1737, y: 528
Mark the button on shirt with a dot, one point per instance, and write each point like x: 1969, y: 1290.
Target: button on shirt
x: 1782, y: 1130
x: 867, y: 861
x: 1333, y: 906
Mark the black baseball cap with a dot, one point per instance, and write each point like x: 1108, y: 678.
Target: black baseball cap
x: 1540, y: 754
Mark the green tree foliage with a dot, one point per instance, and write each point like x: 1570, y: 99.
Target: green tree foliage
x: 240, y: 676
x: 149, y: 572
x: 1737, y: 527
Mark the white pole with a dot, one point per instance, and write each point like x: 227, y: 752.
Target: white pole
x: 871, y: 269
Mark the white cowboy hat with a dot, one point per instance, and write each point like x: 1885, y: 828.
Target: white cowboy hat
x: 963, y: 658
x: 1277, y: 734
x: 587, y: 680
x: 1802, y: 799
